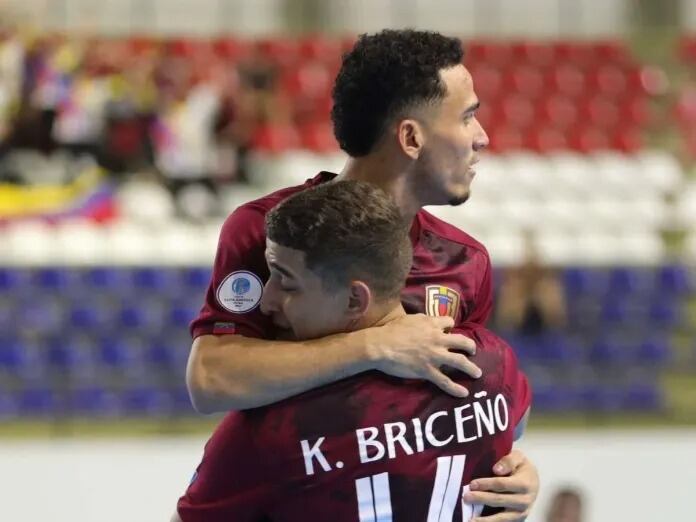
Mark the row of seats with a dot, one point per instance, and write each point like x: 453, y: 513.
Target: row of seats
x: 94, y: 401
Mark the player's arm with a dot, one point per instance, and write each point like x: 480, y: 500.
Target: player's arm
x: 236, y: 372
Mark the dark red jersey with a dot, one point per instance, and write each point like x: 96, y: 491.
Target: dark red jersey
x: 369, y: 448
x: 451, y: 273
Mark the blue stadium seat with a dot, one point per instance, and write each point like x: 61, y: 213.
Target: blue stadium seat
x: 581, y: 281
x: 122, y: 354
x: 54, y: 279
x: 555, y: 349
x: 92, y: 316
x: 41, y: 401
x: 43, y: 316
x: 675, y: 279
x: 624, y: 281
x: 182, y: 313
x: 598, y: 398
x: 146, y: 401
x: 616, y: 311
x: 161, y: 353
x: 21, y: 359
x: 553, y: 398
x: 196, y: 279
x: 653, y: 352
x: 643, y: 397
x: 9, y: 408
x: 665, y: 313
x: 94, y: 401
x: 13, y: 280
x: 141, y: 315
x: 157, y: 281
x: 181, y: 402
x: 111, y: 280
x: 609, y: 351
x: 71, y: 356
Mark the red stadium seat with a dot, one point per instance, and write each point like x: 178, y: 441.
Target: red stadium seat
x: 600, y: 112
x: 525, y: 80
x: 311, y: 80
x: 573, y: 53
x: 517, y: 112
x: 636, y: 111
x: 613, y: 52
x: 319, y: 48
x: 608, y: 80
x: 546, y: 139
x: 628, y: 140
x: 492, y: 54
x: 488, y: 82
x: 505, y: 139
x: 488, y: 114
x: 318, y: 137
x: 558, y: 111
x: 533, y: 53
x: 275, y: 138
x: 284, y: 52
x: 232, y: 49
x: 589, y: 139
x: 567, y: 80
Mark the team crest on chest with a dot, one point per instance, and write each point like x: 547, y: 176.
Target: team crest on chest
x: 441, y: 301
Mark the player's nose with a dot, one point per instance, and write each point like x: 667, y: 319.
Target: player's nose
x: 481, y: 140
x: 269, y: 299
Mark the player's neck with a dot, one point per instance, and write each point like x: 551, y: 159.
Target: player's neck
x: 385, y: 315
x: 380, y: 169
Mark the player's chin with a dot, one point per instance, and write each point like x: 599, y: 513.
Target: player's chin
x: 459, y: 197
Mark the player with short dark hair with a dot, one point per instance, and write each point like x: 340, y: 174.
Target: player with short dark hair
x: 405, y: 110
x: 367, y: 448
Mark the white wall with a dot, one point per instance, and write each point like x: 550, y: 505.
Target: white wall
x: 495, y: 18
x: 628, y: 476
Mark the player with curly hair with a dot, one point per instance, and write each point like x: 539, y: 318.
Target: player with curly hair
x: 405, y: 112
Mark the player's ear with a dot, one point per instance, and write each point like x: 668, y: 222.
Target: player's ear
x: 359, y: 300
x: 411, y: 137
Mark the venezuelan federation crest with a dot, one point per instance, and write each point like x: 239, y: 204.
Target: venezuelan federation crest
x: 441, y: 301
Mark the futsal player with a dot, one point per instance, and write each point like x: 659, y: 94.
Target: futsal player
x: 405, y: 112
x: 371, y: 447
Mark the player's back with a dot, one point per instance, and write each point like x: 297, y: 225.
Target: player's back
x: 379, y: 448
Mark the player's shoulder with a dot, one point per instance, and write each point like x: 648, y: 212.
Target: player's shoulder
x: 449, y: 232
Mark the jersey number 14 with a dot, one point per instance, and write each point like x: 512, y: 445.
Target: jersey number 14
x: 374, y: 499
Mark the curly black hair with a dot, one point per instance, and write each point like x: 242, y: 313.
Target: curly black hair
x: 384, y: 74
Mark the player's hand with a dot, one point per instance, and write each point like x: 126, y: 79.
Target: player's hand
x: 514, y: 488
x: 417, y: 347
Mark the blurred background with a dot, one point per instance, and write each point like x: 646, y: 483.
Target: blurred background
x: 130, y: 129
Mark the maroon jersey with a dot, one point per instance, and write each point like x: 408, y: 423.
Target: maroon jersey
x: 369, y: 448
x: 451, y: 272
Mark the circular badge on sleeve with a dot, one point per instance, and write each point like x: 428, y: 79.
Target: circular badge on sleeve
x: 240, y: 292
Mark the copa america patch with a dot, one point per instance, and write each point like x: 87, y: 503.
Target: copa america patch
x: 240, y: 292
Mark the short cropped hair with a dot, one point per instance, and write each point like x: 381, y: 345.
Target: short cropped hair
x: 348, y: 230
x: 382, y: 77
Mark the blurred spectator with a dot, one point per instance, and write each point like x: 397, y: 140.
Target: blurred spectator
x: 566, y: 506
x: 531, y: 300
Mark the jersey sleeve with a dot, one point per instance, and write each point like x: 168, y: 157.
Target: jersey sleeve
x: 236, y: 285
x: 483, y: 304
x: 230, y: 482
